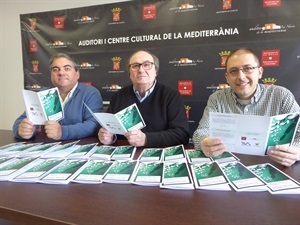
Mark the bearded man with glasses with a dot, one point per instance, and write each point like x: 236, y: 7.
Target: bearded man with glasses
x: 246, y: 96
x: 161, y: 107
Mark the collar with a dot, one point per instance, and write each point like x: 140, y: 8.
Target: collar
x: 148, y: 92
x: 70, y: 94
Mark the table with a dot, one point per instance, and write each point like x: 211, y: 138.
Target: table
x: 38, y: 204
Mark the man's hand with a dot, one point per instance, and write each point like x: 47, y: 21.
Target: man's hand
x: 212, y: 147
x: 26, y: 129
x: 136, y: 138
x: 284, y: 155
x: 105, y: 137
x: 53, y: 130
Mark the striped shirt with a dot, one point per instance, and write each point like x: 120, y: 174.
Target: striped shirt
x: 267, y: 101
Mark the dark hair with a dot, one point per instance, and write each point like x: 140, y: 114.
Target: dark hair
x: 63, y: 55
x: 247, y: 50
x: 155, y: 59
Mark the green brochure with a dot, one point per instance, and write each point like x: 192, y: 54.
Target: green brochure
x: 83, y: 151
x: 277, y: 181
x: 209, y: 176
x: 174, y: 154
x: 176, y: 175
x: 196, y: 156
x: 93, y: 172
x: 253, y: 134
x: 14, y: 167
x: 125, y: 152
x: 120, y: 172
x: 38, y: 170
x: 123, y: 121
x: 225, y: 157
x: 19, y: 149
x: 151, y: 155
x: 43, y: 105
x: 103, y: 152
x: 148, y: 174
x: 40, y: 150
x: 63, y: 150
x: 241, y: 178
x: 64, y: 172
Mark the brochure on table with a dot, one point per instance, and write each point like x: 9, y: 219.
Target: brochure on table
x: 92, y: 172
x: 103, y: 152
x: 241, y: 178
x: 254, y: 135
x: 75, y: 163
x: 198, y: 157
x: 209, y: 176
x: 123, y: 121
x: 148, y: 173
x: 37, y: 171
x: 120, y: 172
x: 277, y: 181
x: 43, y: 105
x: 151, y: 155
x: 64, y: 172
x: 176, y: 175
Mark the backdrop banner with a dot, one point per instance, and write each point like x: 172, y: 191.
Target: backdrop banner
x: 191, y: 38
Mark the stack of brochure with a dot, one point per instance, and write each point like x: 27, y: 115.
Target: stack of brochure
x: 169, y: 168
x: 164, y: 167
x: 209, y: 176
x: 277, y: 181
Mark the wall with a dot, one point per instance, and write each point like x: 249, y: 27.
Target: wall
x: 11, y: 67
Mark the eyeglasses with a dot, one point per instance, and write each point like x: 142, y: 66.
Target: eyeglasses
x: 246, y: 70
x: 145, y: 65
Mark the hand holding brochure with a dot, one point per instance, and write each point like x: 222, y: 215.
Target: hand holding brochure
x: 43, y: 105
x: 253, y: 135
x: 123, y: 121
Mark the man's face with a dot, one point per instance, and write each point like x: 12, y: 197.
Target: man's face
x: 243, y: 74
x: 63, y: 74
x: 140, y: 76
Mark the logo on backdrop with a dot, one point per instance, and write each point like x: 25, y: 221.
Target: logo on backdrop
x: 224, y: 55
x: 35, y: 66
x: 227, y: 7
x: 184, y: 61
x: 88, y: 66
x: 269, y: 28
x: 116, y: 65
x: 269, y: 81
x: 116, y: 16
x: 187, y: 111
x: 271, y: 3
x: 34, y: 87
x: 59, y: 22
x: 33, y: 46
x: 186, y: 7
x: 185, y: 87
x: 86, y: 19
x: 214, y: 87
x: 33, y: 23
x: 58, y: 44
x: 270, y: 58
x: 227, y: 4
x: 149, y: 12
x: 111, y: 88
